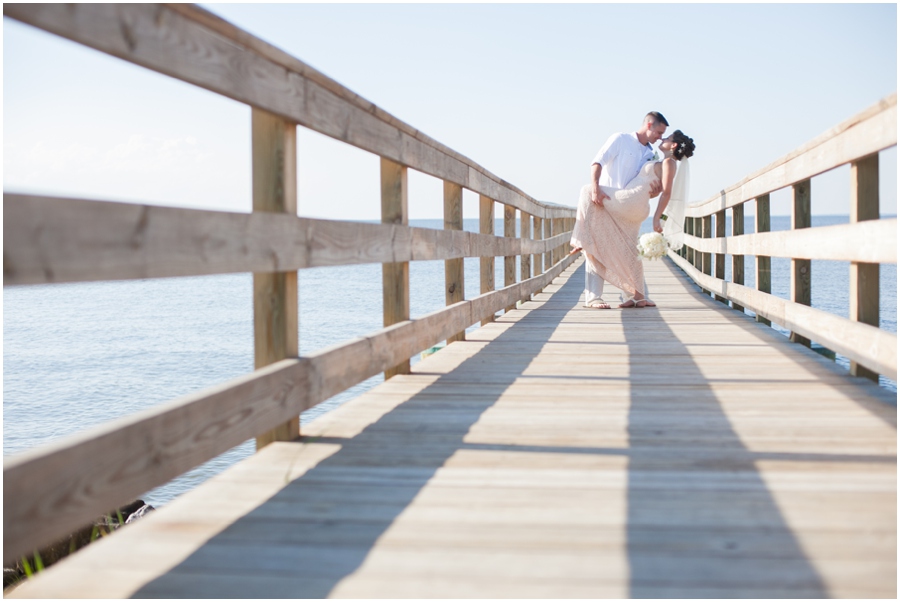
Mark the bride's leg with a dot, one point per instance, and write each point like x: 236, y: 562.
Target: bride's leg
x: 641, y: 299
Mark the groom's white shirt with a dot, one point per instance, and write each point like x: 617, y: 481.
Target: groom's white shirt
x: 621, y: 158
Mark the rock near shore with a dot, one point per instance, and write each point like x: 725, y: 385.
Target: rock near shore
x: 55, y: 552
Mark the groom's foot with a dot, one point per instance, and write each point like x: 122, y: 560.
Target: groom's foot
x: 599, y: 305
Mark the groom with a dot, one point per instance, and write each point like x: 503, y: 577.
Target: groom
x: 617, y: 163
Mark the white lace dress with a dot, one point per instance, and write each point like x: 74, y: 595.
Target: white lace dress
x: 609, y: 234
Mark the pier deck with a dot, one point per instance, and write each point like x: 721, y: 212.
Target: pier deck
x: 684, y: 451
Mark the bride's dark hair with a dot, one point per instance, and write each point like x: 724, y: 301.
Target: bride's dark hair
x: 685, y: 146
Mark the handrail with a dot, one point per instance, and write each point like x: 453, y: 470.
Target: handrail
x: 50, y: 239
x: 868, y: 132
x: 862, y: 241
x: 867, y: 241
x: 52, y: 490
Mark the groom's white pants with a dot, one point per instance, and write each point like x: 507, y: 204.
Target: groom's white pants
x: 593, y: 286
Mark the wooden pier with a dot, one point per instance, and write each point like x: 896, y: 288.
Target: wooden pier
x: 681, y: 451
x: 686, y: 451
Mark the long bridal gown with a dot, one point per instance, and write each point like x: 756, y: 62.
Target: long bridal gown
x: 609, y: 235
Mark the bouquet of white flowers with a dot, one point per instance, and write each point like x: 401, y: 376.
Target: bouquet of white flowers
x: 652, y: 245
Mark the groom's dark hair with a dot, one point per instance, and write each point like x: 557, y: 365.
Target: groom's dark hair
x: 656, y: 117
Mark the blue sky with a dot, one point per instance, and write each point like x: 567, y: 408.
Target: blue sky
x: 530, y: 91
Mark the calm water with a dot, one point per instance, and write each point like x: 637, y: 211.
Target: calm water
x: 78, y: 355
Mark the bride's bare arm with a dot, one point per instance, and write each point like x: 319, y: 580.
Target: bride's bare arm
x: 668, y: 175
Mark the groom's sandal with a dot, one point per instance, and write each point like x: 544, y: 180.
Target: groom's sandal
x: 599, y: 305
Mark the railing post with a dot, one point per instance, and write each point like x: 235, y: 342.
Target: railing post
x: 486, y: 226
x: 720, y: 257
x: 864, y: 295
x: 559, y: 226
x: 395, y: 276
x: 538, y: 235
x: 454, y: 278
x: 509, y: 261
x: 706, y: 258
x: 763, y: 263
x: 525, y: 258
x: 275, y: 308
x: 689, y: 229
x: 737, y: 261
x: 697, y: 230
x: 800, y: 268
x: 548, y: 233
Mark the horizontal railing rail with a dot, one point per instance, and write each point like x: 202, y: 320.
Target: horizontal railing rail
x: 48, y: 239
x: 871, y: 131
x: 866, y: 242
x: 52, y: 490
x: 862, y: 241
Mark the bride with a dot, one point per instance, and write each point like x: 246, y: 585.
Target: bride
x: 608, y: 235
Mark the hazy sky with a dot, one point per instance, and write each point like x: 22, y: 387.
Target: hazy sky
x: 529, y: 91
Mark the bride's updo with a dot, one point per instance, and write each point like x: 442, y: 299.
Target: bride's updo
x: 685, y: 146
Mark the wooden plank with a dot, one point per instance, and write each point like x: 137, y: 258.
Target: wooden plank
x: 275, y: 305
x: 868, y: 132
x: 194, y: 46
x: 737, y: 261
x: 871, y: 241
x: 454, y: 277
x: 49, y: 239
x: 509, y: 262
x: 538, y: 258
x: 864, y: 276
x: 801, y: 276
x: 865, y: 344
x: 395, y: 276
x: 486, y: 226
x: 763, y: 263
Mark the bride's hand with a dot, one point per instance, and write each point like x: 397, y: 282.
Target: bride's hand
x: 655, y: 188
x: 657, y: 225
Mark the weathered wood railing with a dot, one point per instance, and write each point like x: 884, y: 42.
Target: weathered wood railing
x: 866, y: 242
x: 52, y: 490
